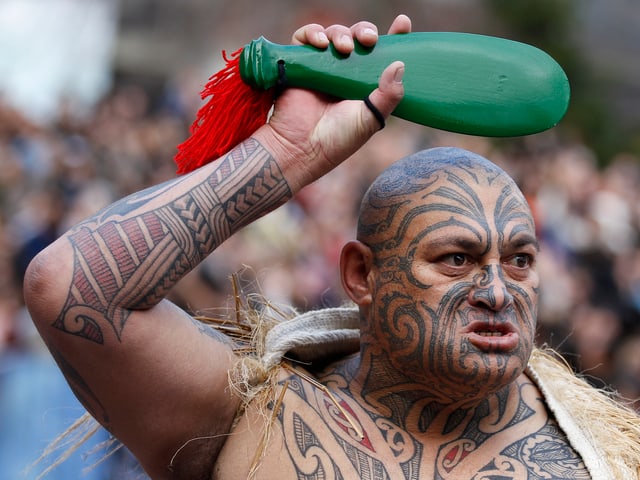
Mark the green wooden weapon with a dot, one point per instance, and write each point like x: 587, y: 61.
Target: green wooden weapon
x: 461, y: 82
x: 466, y: 83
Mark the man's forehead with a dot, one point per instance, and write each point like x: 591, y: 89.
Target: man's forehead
x: 448, y: 157
x: 443, y: 186
x: 429, y: 168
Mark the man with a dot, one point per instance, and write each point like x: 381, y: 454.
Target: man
x: 443, y: 274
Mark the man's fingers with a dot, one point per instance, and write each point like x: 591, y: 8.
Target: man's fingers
x: 401, y: 24
x: 312, y: 34
x: 341, y: 37
x: 384, y: 99
x: 389, y: 93
x: 365, y: 32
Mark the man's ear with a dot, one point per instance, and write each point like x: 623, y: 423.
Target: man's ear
x: 356, y: 262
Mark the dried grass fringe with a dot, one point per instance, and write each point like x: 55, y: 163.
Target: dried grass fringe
x: 70, y: 441
x: 609, y: 424
x: 250, y: 379
x: 252, y: 318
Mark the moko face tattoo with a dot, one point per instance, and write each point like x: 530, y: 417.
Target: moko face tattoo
x: 455, y: 295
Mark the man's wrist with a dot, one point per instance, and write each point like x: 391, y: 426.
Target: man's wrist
x: 293, y: 161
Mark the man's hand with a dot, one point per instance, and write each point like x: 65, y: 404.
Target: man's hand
x: 312, y: 133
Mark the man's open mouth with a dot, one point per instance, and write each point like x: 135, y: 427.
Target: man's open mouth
x: 490, y: 334
x: 492, y: 337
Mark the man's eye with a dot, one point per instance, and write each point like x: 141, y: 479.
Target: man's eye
x: 521, y: 260
x: 455, y: 259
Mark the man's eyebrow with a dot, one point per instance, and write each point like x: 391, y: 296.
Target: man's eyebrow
x: 473, y: 243
x: 464, y: 242
x: 520, y: 240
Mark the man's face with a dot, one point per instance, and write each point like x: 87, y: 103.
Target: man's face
x: 455, y: 288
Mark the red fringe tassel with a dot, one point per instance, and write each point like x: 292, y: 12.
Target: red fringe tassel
x: 234, y: 111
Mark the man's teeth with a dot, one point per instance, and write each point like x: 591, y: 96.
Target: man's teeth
x: 490, y: 334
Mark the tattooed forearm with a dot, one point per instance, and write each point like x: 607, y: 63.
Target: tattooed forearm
x: 131, y: 254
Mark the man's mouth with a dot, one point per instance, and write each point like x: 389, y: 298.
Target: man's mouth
x: 491, y: 337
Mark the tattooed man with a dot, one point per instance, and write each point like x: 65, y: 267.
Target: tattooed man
x: 443, y: 274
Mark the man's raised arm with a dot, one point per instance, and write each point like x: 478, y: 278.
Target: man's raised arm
x: 141, y: 366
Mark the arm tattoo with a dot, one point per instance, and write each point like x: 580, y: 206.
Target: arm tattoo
x: 81, y: 390
x: 130, y: 255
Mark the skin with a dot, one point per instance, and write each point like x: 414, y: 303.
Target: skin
x: 157, y: 379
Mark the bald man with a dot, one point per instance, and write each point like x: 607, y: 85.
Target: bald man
x: 444, y: 285
x: 443, y: 275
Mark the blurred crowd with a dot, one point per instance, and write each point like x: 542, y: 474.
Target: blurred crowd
x: 587, y: 211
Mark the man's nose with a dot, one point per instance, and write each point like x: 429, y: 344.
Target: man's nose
x: 489, y: 289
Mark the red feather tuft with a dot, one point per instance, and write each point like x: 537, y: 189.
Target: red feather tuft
x: 234, y: 111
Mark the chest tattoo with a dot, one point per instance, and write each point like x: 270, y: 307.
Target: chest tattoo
x: 322, y: 442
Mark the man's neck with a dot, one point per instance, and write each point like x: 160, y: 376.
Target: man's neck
x: 421, y: 408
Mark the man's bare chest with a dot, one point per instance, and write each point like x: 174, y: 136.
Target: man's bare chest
x: 317, y: 434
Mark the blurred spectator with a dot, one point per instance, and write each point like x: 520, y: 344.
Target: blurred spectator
x: 626, y: 368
